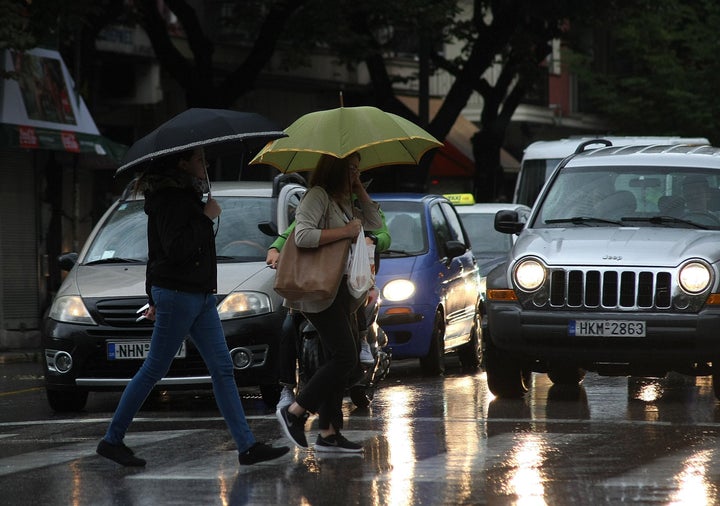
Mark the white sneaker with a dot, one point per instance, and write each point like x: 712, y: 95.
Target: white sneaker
x: 287, y: 397
x: 366, y: 356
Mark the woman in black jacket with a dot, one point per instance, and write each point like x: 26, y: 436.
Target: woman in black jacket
x: 181, y: 283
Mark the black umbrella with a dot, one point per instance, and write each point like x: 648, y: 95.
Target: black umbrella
x: 197, y: 127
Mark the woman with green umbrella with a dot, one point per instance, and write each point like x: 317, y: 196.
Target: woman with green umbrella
x: 325, y: 215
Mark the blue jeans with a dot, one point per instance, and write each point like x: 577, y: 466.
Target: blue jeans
x: 178, y: 314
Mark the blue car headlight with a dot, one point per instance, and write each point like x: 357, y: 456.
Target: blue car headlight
x: 242, y: 304
x: 398, y: 290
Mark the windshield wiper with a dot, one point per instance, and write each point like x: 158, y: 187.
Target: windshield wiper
x: 582, y: 220
x: 395, y: 252
x: 116, y: 260
x: 662, y: 220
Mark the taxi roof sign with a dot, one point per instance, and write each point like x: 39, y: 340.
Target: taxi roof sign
x: 461, y: 199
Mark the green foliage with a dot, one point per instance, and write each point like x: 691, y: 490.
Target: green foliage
x: 664, y: 70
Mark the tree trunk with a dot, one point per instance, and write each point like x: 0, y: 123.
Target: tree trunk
x: 489, y: 181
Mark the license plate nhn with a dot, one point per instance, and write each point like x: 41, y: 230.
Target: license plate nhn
x: 606, y: 328
x: 135, y: 350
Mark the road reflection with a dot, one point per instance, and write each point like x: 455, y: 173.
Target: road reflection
x: 401, y: 456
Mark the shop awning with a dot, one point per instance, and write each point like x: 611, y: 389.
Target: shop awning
x: 39, y: 108
x: 28, y: 137
x: 455, y: 158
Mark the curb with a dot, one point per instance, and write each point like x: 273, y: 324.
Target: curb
x: 19, y: 356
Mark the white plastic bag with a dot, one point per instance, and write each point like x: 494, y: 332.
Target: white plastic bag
x: 360, y: 276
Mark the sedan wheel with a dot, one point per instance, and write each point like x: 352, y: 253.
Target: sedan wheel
x: 433, y: 364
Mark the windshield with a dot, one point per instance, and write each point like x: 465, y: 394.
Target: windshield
x: 404, y: 221
x: 632, y: 196
x: 533, y: 175
x: 486, y: 241
x: 123, y: 237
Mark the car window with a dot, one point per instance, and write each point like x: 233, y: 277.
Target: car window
x: 440, y: 226
x: 485, y: 240
x: 405, y: 224
x: 608, y: 196
x: 124, y: 234
x: 454, y: 224
x: 238, y: 235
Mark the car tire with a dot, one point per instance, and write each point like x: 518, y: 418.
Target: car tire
x: 506, y: 376
x: 470, y: 353
x: 66, y: 401
x: 433, y: 364
x: 566, y: 375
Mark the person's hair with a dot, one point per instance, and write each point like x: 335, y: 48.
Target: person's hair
x: 160, y: 170
x: 331, y: 174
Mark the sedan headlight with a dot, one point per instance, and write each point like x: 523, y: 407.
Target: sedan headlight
x: 398, y: 290
x: 529, y: 274
x: 70, y: 309
x: 242, y: 304
x: 694, y: 277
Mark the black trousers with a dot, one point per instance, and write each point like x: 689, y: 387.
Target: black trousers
x: 337, y: 328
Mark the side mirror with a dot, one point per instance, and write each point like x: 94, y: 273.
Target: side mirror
x: 508, y: 222
x: 67, y: 261
x: 268, y: 228
x: 454, y: 249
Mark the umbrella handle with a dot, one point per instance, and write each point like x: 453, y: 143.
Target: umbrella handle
x: 207, y: 177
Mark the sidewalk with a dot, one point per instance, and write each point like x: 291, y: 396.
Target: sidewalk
x: 16, y: 356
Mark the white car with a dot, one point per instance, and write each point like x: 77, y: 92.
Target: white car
x: 489, y: 246
x: 92, y: 338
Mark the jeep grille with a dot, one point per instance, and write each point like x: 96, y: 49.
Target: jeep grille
x: 596, y: 288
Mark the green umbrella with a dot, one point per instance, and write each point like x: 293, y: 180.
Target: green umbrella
x: 381, y: 138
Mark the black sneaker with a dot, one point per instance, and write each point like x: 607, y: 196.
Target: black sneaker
x: 336, y: 443
x: 293, y: 426
x: 260, y: 452
x: 119, y: 453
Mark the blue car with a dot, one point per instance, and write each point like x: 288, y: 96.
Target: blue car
x: 428, y: 281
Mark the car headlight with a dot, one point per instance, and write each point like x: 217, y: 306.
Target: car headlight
x: 70, y: 309
x: 694, y: 277
x: 482, y: 287
x: 242, y: 304
x: 529, y: 274
x: 398, y: 290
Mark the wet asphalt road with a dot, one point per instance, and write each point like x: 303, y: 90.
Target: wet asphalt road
x: 427, y: 441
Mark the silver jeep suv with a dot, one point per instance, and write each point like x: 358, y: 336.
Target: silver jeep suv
x: 616, y: 271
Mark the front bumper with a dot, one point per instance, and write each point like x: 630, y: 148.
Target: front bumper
x: 257, y: 336
x: 408, y: 329
x: 672, y: 339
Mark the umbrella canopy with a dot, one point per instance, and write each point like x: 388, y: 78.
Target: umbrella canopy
x: 199, y: 127
x: 381, y: 138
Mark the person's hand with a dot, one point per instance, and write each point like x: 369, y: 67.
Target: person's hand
x: 149, y: 313
x: 272, y: 258
x: 355, y: 183
x: 369, y: 241
x: 212, y: 208
x: 353, y: 228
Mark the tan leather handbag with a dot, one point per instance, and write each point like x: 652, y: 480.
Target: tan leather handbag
x: 310, y: 274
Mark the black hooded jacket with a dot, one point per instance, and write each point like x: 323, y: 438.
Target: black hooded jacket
x: 181, y: 242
